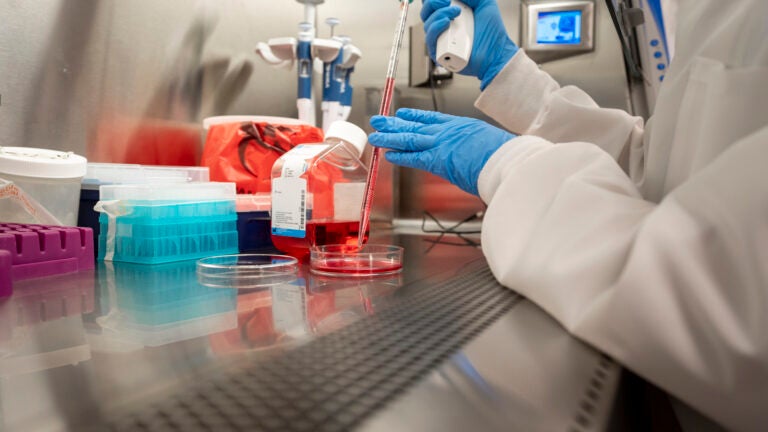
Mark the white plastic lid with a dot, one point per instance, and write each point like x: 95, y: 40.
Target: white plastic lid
x: 348, y: 132
x: 42, y: 163
x: 169, y: 191
x: 217, y: 120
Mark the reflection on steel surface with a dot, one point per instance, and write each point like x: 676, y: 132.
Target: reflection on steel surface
x: 290, y: 314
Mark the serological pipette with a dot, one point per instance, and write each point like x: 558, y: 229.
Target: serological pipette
x: 384, y: 108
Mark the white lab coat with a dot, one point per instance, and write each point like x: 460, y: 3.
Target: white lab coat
x: 649, y: 242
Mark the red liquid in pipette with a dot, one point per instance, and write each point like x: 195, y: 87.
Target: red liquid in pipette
x: 386, y: 104
x: 318, y: 234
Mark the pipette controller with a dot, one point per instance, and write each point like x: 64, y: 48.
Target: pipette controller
x: 454, y: 46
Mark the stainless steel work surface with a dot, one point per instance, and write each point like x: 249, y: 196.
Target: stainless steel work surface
x: 524, y: 373
x: 439, y: 346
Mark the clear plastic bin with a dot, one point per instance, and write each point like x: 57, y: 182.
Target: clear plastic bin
x: 50, y: 177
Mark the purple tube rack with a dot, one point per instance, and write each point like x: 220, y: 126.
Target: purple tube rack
x: 6, y: 287
x: 31, y: 251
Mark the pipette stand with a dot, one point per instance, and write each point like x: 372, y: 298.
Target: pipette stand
x: 284, y: 52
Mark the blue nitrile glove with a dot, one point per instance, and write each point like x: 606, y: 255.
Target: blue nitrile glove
x: 455, y: 148
x: 492, y: 48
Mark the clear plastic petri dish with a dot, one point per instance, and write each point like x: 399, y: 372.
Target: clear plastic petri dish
x: 349, y: 260
x: 246, y: 271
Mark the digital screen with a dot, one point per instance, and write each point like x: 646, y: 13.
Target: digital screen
x: 562, y: 27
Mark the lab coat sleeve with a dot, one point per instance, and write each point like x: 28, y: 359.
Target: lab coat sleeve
x: 527, y: 101
x: 675, y: 291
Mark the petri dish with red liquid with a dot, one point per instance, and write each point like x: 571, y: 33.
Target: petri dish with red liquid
x: 351, y: 260
x: 247, y: 271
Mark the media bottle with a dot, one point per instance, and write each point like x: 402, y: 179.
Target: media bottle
x: 317, y: 192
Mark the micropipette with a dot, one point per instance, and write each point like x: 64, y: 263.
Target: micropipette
x: 386, y: 103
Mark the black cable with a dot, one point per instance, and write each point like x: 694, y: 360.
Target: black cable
x: 634, y: 68
x: 448, y: 230
x: 432, y: 85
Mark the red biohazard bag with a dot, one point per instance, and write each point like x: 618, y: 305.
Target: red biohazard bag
x: 243, y: 152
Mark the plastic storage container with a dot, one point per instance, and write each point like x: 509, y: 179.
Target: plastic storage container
x: 32, y: 251
x: 100, y: 174
x: 51, y: 177
x: 317, y: 191
x: 162, y: 223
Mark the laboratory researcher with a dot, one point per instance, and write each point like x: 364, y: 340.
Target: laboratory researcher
x: 648, y: 241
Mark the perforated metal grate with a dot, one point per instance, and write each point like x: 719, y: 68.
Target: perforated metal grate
x: 336, y: 381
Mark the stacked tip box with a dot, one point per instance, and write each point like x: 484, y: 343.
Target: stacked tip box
x: 29, y: 251
x: 155, y: 224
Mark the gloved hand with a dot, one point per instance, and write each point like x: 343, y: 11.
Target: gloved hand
x: 454, y: 148
x: 492, y: 48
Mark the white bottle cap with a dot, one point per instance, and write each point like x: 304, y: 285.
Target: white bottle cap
x: 42, y: 163
x: 348, y: 132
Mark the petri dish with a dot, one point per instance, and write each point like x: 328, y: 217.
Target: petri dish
x: 349, y: 260
x: 246, y: 271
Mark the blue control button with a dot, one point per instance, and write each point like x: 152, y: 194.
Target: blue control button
x: 661, y: 66
x: 654, y: 42
x: 657, y: 54
x: 661, y: 78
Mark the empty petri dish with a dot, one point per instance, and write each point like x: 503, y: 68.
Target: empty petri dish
x: 348, y: 260
x: 245, y: 271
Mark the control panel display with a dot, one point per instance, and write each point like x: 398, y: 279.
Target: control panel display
x: 556, y: 29
x: 559, y: 27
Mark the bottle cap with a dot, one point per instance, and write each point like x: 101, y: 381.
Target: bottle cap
x: 348, y: 132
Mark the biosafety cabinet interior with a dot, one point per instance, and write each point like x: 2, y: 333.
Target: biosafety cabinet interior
x: 148, y: 344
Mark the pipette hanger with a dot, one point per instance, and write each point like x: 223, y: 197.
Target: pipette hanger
x: 384, y: 109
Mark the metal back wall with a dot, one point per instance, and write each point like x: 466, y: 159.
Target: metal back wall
x: 600, y: 73
x: 130, y: 81
x: 67, y: 68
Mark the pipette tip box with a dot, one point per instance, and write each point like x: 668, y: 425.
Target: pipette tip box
x: 154, y: 224
x: 102, y: 174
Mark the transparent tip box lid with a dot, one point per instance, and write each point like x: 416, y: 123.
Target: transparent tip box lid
x: 98, y: 174
x: 209, y: 191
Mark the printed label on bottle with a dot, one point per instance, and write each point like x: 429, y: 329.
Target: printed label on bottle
x: 289, y: 200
